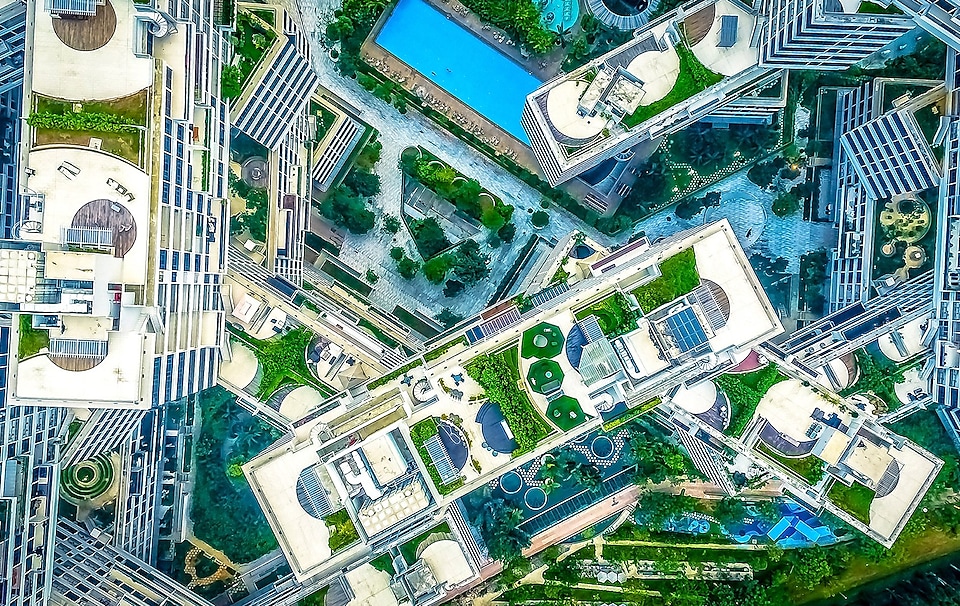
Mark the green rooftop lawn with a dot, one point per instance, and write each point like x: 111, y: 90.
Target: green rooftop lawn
x: 810, y: 468
x: 251, y: 41
x: 693, y: 78
x: 565, y: 413
x: 854, y: 499
x: 343, y: 533
x: 745, y: 392
x: 678, y: 277
x: 409, y: 549
x: 543, y: 374
x: 613, y: 313
x: 32, y: 340
x: 542, y: 341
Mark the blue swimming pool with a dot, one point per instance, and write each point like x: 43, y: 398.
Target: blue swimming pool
x: 460, y: 63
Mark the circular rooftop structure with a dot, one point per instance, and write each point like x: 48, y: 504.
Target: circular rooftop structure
x: 541, y: 341
x: 299, y: 401
x: 545, y: 376
x: 659, y: 71
x: 105, y: 222
x: 697, y: 399
x: 255, y: 172
x: 89, y: 480
x: 90, y: 33
x: 563, y: 102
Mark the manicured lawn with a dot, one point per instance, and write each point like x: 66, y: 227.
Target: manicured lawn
x: 614, y: 315
x: 810, y: 468
x: 542, y: 341
x: 383, y: 563
x: 343, y: 533
x: 679, y: 277
x: 854, y: 499
x: 316, y: 598
x: 745, y: 392
x: 693, y: 78
x: 31, y: 340
x: 545, y: 376
x: 125, y: 145
x: 347, y: 279
x: 409, y: 549
x: 132, y: 107
x: 283, y: 359
x: 565, y: 413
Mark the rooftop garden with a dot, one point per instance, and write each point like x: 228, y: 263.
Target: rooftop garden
x: 251, y: 41
x: 854, y: 499
x: 614, y: 315
x: 541, y: 341
x: 117, y: 123
x: 409, y: 549
x: 545, y: 376
x: 32, y: 340
x: 282, y: 360
x: 565, y: 412
x: 745, y: 392
x: 519, y: 18
x: 495, y: 376
x: 810, y: 468
x: 678, y: 277
x: 394, y: 374
x: 342, y: 531
x: 693, y: 78
x: 878, y: 375
x: 465, y: 193
x: 420, y: 432
x: 872, y: 8
x: 222, y: 501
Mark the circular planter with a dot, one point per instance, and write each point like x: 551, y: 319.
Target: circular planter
x: 535, y: 499
x: 511, y: 482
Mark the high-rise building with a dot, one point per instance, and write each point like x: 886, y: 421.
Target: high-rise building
x: 939, y: 17
x: 824, y: 34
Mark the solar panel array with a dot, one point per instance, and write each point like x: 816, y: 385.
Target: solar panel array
x: 685, y: 329
x: 312, y: 496
x: 440, y: 459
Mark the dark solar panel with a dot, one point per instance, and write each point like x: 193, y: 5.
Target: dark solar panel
x: 686, y: 330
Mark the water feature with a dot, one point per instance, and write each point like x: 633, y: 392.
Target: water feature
x: 559, y: 15
x: 460, y: 63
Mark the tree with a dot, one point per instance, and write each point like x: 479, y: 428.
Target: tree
x: 435, y: 269
x: 499, y: 526
x: 540, y: 219
x: 344, y: 208
x: 470, y: 264
x: 397, y: 253
x: 428, y: 236
x: 453, y: 288
x: 493, y: 241
x: 230, y: 85
x: 391, y: 224
x: 657, y: 460
x: 362, y: 183
x: 657, y: 508
x: 467, y: 197
x: 408, y: 268
x: 447, y: 317
x: 371, y: 276
x: 762, y: 173
x: 507, y: 233
x: 786, y: 204
x: 810, y: 569
x: 369, y: 155
x: 730, y: 510
x: 688, y: 208
x: 588, y: 476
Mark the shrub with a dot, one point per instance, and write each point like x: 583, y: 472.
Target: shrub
x: 678, y: 277
x: 453, y: 288
x: 83, y: 121
x: 230, y: 84
x: 435, y: 270
x: 540, y: 219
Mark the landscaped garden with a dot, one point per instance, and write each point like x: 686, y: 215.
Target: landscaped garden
x: 541, y: 341
x: 678, y: 277
x: 88, y: 480
x: 810, y: 468
x: 854, y: 499
x: 420, y: 432
x: 342, y: 531
x: 117, y: 123
x: 614, y: 315
x: 565, y: 413
x: 878, y: 375
x: 905, y: 238
x: 283, y: 360
x: 495, y: 376
x: 222, y: 501
x: 692, y: 79
x: 409, y: 549
x: 545, y: 376
x: 251, y: 41
x: 745, y: 392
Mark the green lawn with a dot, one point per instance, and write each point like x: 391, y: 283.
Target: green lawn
x: 283, y: 359
x: 545, y: 376
x: 678, y: 277
x: 409, y: 549
x: 693, y: 78
x: 810, y: 468
x: 344, y: 533
x: 565, y: 413
x: 854, y: 499
x: 614, y: 315
x: 384, y: 563
x: 125, y: 145
x: 132, y: 108
x: 542, y: 341
x: 745, y: 392
x: 317, y: 598
x: 31, y: 340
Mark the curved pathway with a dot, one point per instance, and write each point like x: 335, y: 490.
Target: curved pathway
x: 622, y: 22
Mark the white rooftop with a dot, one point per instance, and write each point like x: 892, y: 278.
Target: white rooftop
x: 18, y: 275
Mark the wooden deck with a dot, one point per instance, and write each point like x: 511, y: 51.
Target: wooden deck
x: 88, y: 34
x: 107, y: 214
x: 75, y: 364
x: 697, y: 26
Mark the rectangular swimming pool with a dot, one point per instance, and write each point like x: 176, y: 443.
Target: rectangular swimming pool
x: 460, y: 63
